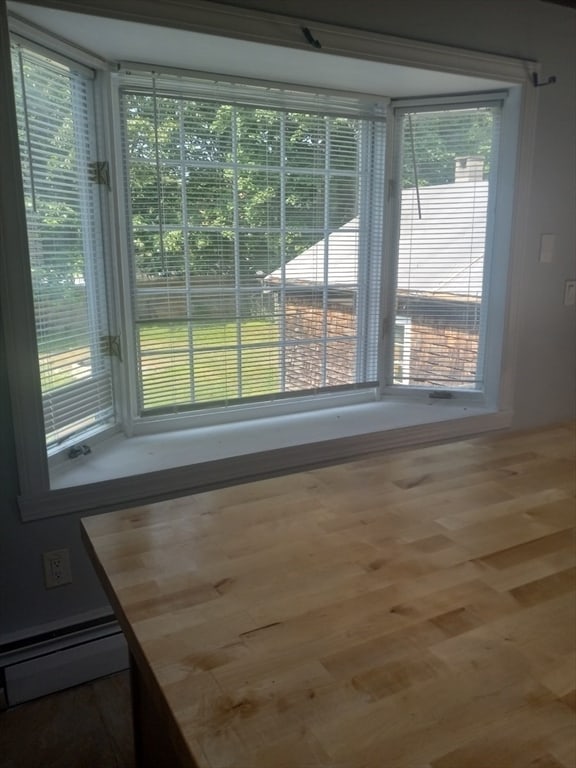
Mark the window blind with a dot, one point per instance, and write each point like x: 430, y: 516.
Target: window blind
x: 255, y: 255
x: 448, y: 157
x: 54, y: 114
x: 226, y: 89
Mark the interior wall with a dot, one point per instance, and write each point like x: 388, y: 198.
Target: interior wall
x: 546, y: 367
x: 26, y: 608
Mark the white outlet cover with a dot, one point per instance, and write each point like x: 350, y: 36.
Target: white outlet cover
x: 57, y: 568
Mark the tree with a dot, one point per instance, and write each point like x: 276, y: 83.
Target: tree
x: 248, y: 185
x: 54, y: 166
x: 433, y: 140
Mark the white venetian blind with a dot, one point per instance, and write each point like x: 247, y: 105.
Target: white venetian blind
x: 255, y: 254
x: 448, y: 161
x: 56, y: 146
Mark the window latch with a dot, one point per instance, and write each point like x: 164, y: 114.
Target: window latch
x: 99, y: 173
x: 110, y: 346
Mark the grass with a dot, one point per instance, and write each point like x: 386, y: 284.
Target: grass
x: 215, y: 370
x: 171, y: 375
x: 58, y: 369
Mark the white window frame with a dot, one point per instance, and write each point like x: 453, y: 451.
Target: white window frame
x: 94, y: 246
x: 138, y: 424
x: 500, y: 208
x: 405, y: 323
x: 37, y: 499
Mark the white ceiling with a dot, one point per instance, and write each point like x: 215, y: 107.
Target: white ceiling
x: 129, y: 41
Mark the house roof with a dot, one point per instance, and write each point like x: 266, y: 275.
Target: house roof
x: 439, y: 253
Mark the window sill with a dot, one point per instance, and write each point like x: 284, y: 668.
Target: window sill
x: 127, y: 471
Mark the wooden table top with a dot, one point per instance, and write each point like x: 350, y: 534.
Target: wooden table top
x: 409, y: 610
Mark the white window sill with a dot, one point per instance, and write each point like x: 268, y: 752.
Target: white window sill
x: 126, y: 471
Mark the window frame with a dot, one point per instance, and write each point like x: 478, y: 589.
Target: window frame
x: 37, y: 500
x: 403, y: 324
x: 91, y: 203
x: 215, y: 413
x: 495, y: 271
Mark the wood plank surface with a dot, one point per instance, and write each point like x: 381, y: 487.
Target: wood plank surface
x: 410, y: 610
x: 88, y: 726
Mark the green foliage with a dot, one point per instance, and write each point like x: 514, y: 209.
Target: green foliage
x: 223, y: 190
x: 218, y: 194
x: 50, y: 170
x: 433, y: 141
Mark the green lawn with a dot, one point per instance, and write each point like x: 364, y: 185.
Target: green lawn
x: 215, y: 371
x: 58, y: 369
x: 172, y: 376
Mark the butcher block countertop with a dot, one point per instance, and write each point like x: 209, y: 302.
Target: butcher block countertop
x: 407, y: 610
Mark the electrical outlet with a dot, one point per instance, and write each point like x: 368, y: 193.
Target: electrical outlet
x: 57, y: 568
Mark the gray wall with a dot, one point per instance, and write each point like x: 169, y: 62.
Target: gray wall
x: 546, y: 376
x: 25, y: 606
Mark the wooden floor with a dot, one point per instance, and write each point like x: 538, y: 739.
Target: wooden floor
x: 410, y: 610
x: 85, y: 727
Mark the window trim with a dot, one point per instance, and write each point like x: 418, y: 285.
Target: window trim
x: 18, y: 317
x: 203, y: 16
x: 277, y: 29
x: 408, y: 423
x: 98, y: 244
x: 405, y: 323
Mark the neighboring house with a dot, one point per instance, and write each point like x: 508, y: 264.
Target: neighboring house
x: 439, y: 289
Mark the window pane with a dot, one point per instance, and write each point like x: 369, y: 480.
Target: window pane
x: 245, y: 230
x: 447, y: 162
x: 54, y: 121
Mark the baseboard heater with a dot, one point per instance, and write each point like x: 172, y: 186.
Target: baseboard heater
x: 46, y: 665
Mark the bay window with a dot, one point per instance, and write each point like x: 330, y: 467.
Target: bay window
x: 215, y: 249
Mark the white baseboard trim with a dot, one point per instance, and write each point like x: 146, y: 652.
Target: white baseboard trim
x: 43, y: 668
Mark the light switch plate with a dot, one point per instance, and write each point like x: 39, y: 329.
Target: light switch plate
x: 547, y: 248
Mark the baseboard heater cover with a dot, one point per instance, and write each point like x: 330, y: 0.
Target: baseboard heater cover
x: 85, y: 660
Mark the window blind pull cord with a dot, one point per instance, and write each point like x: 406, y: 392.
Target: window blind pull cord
x: 414, y: 165
x: 27, y: 129
x: 158, y: 176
